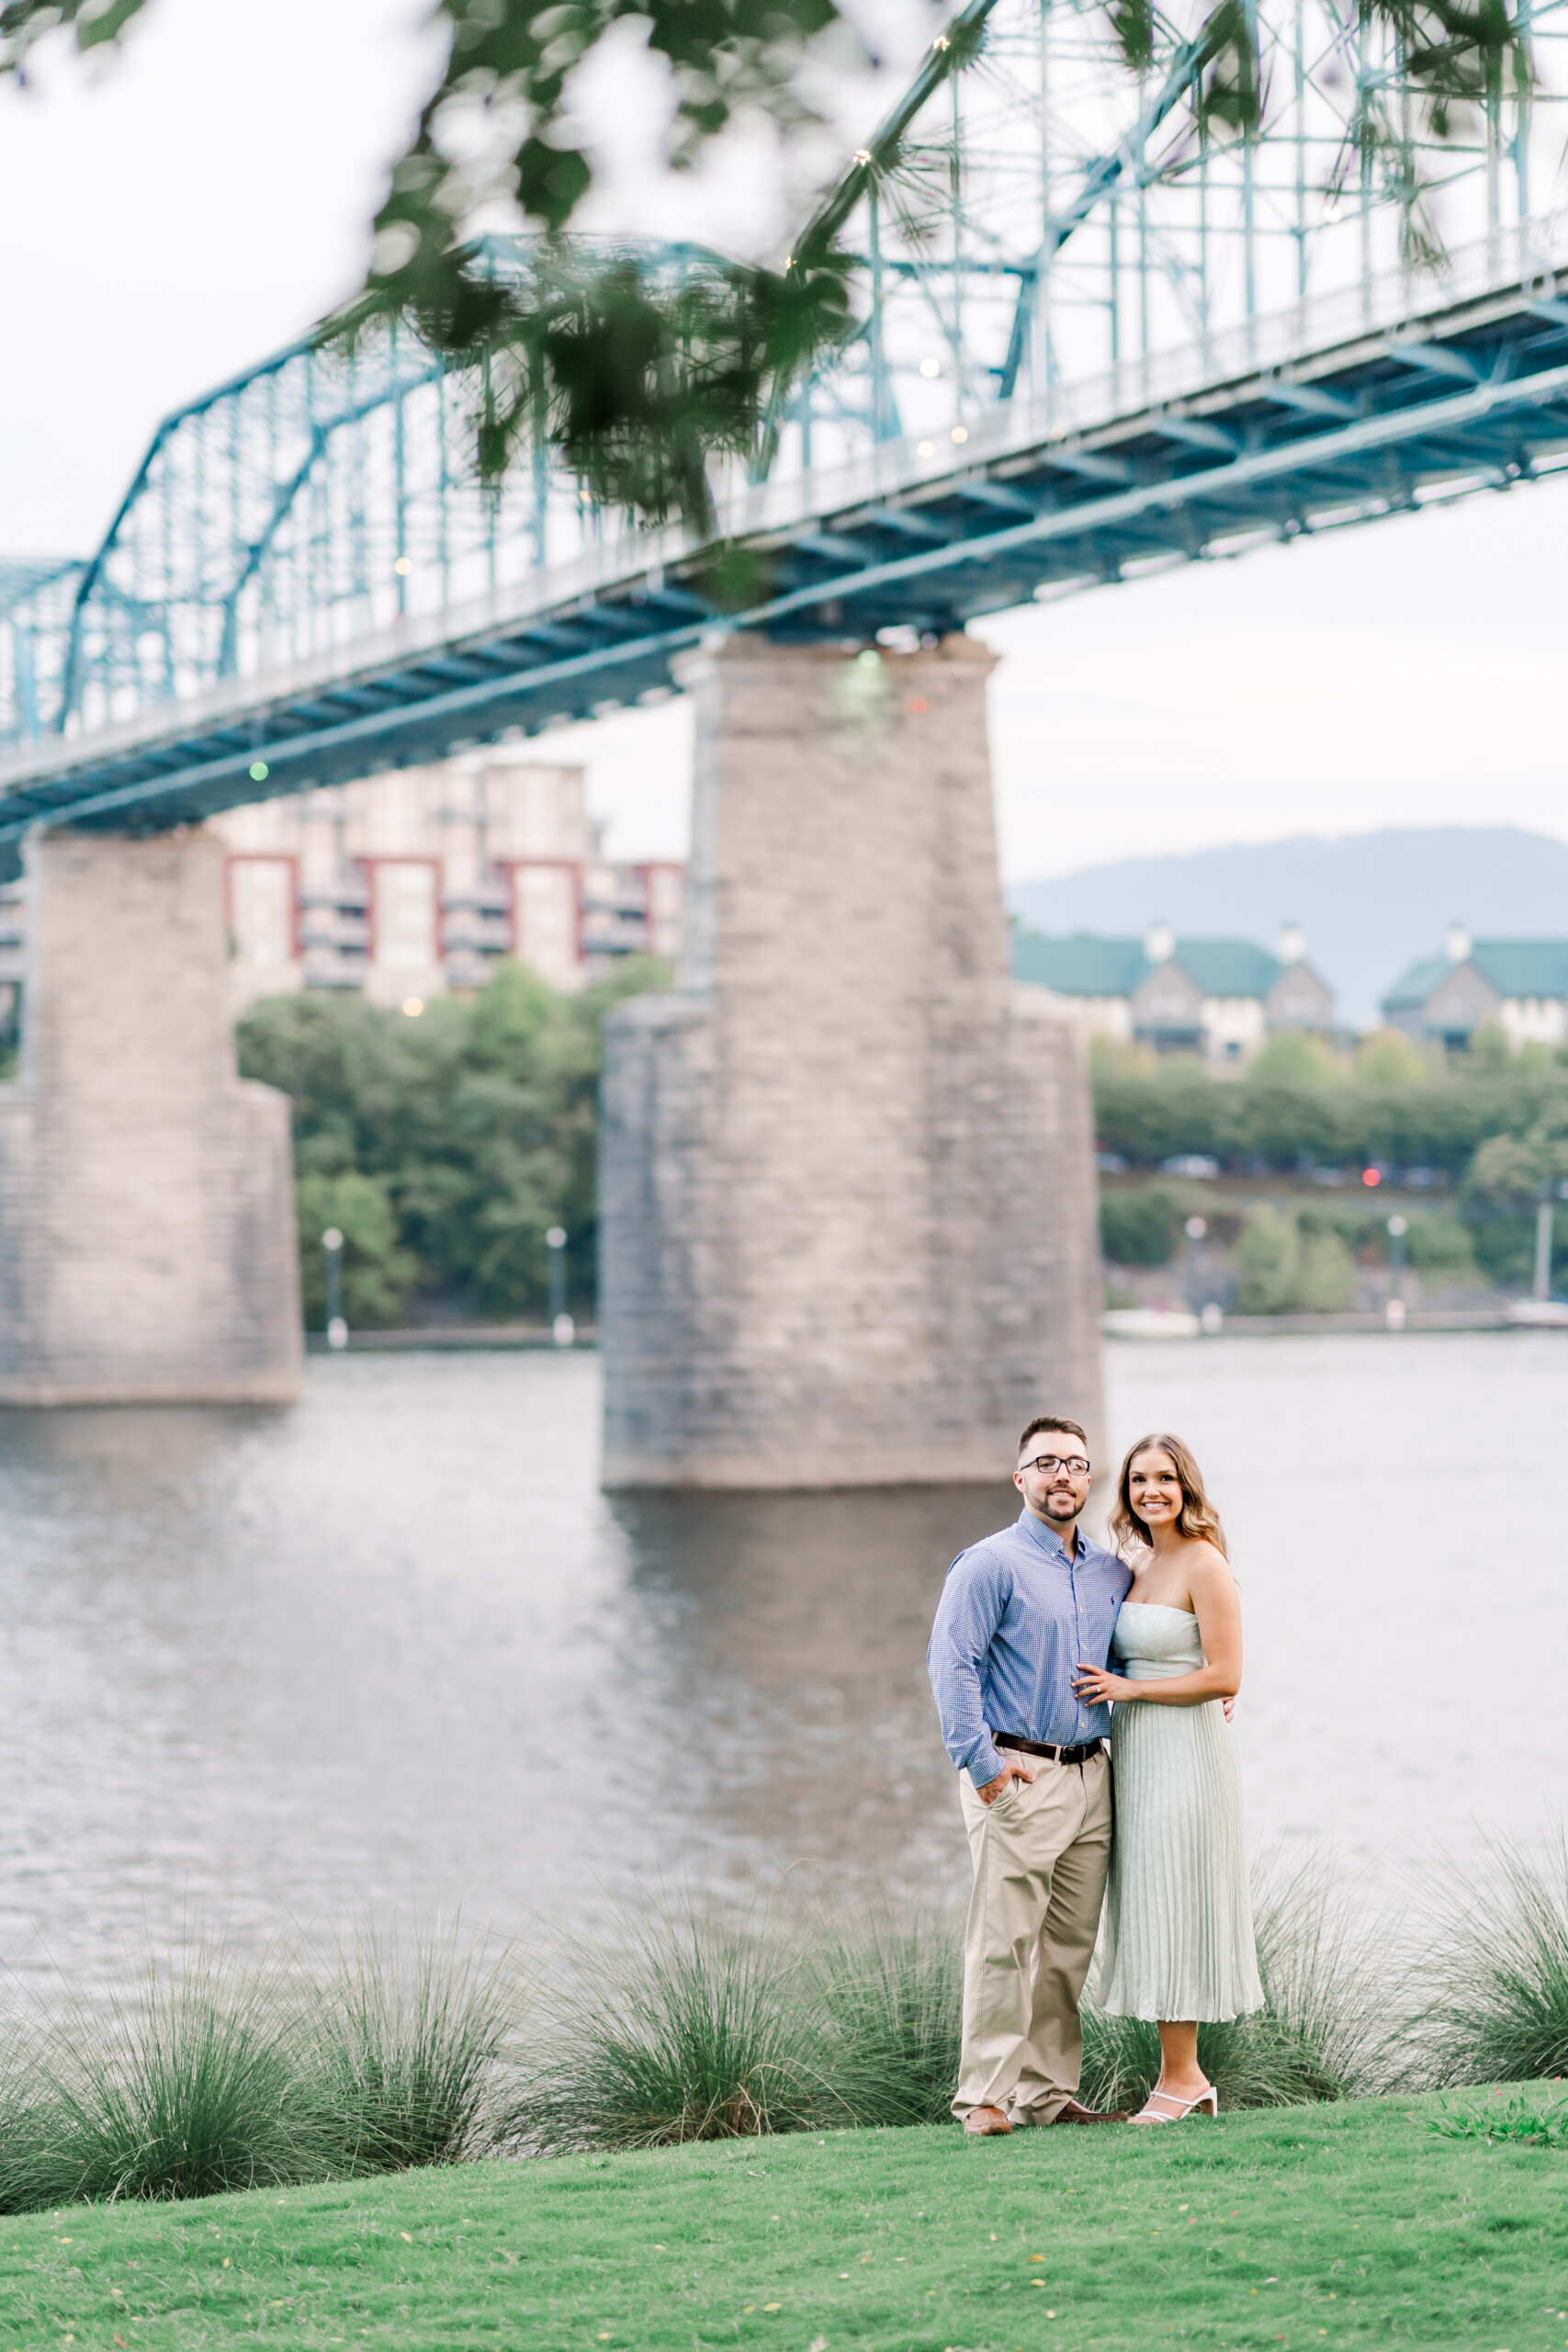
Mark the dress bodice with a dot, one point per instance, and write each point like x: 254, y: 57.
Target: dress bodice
x: 1153, y: 1641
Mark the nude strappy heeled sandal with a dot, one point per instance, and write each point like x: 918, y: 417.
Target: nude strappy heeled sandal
x: 1206, y: 2103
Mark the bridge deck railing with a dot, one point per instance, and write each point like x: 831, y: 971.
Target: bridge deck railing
x: 1515, y: 259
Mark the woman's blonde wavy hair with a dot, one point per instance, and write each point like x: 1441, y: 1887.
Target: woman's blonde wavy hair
x: 1197, y: 1517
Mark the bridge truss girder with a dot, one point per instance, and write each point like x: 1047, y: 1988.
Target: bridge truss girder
x: 1091, y: 344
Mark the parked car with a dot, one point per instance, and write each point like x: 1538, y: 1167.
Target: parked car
x: 1191, y: 1163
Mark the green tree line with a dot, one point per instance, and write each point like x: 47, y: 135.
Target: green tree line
x: 443, y: 1148
x: 1304, y: 1255
x: 1493, y: 1122
x: 1299, y: 1105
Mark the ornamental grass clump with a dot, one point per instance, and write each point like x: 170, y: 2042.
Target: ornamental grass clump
x: 1496, y: 1969
x: 889, y: 1993
x: 1328, y: 2028
x: 1322, y: 2033
x: 187, y: 2087
x: 397, y: 2052
x: 688, y: 2024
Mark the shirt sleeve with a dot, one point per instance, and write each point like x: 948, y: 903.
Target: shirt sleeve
x: 978, y: 1590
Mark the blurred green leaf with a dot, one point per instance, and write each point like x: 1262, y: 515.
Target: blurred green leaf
x: 634, y: 373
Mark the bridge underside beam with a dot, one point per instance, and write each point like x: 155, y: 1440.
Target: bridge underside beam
x: 1381, y: 425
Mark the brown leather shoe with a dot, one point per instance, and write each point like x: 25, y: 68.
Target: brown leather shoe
x: 985, y: 2123
x: 1074, y: 2113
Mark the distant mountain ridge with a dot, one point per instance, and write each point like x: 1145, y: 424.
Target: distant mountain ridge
x: 1369, y: 903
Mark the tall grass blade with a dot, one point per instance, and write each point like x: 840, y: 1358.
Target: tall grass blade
x: 890, y: 1998
x: 398, y: 2049
x: 395, y: 2053
x: 1322, y: 2033
x: 690, y: 2025
x: 182, y: 2088
x: 1121, y: 2061
x: 1496, y: 1966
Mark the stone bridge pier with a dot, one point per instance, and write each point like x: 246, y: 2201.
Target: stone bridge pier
x: 847, y: 1191
x: 147, y: 1245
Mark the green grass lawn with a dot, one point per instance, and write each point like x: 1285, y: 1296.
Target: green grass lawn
x: 1302, y: 2227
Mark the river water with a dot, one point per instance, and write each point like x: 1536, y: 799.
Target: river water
x: 395, y: 1645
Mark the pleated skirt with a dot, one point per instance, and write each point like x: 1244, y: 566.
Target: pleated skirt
x: 1176, y: 1935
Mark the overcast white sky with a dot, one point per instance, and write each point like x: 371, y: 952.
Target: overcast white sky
x: 176, y: 214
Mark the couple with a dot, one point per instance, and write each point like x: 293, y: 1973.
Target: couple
x: 1021, y: 1665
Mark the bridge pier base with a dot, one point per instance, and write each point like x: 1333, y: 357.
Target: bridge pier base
x: 147, y: 1244
x: 847, y: 1192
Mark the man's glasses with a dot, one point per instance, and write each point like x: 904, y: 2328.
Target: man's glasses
x: 1075, y: 1464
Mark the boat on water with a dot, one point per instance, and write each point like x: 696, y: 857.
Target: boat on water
x: 1157, y: 1322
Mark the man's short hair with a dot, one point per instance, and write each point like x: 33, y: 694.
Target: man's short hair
x: 1054, y: 1421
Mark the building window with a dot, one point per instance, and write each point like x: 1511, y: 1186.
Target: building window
x: 261, y: 909
x: 546, y: 896
x: 405, y: 914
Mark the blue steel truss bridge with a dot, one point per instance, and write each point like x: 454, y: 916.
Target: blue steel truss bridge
x: 1091, y: 343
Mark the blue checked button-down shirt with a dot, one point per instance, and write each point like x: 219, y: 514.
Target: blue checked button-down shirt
x: 1015, y: 1619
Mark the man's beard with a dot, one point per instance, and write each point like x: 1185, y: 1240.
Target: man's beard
x: 1068, y: 1502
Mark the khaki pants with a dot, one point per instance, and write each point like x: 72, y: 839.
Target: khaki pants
x: 1041, y: 1854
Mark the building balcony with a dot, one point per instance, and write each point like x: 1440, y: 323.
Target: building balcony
x: 467, y: 933
x: 348, y: 934
x: 345, y: 898
x: 485, y: 898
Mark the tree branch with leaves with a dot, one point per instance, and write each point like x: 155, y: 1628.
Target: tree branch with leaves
x: 635, y: 366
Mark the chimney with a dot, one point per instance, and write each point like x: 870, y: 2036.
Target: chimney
x: 1457, y: 945
x: 1292, y: 943
x: 1160, y: 942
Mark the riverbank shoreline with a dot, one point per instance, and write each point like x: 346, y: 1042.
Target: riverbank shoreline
x: 449, y: 1338
x: 1332, y: 1325
x: 463, y: 1338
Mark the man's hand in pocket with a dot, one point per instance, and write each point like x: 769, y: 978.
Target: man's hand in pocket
x: 994, y: 1789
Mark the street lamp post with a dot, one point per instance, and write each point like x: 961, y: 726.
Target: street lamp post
x: 1195, y: 1229
x: 337, y: 1329
x: 1542, y: 1285
x: 563, y: 1331
x: 1398, y: 1228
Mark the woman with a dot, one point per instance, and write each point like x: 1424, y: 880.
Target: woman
x: 1177, y: 1940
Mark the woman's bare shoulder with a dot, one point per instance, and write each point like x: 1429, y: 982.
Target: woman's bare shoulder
x: 1205, y: 1562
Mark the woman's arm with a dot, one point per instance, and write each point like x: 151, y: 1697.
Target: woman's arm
x: 1211, y: 1589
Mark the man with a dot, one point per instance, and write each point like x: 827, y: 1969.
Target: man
x: 1017, y: 1615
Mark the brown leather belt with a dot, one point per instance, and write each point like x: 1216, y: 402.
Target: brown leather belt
x: 1041, y: 1747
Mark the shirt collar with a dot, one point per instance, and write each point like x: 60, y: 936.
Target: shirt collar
x: 1041, y: 1533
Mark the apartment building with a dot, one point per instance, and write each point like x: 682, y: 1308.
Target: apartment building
x: 1219, y: 998
x: 402, y: 887
x: 1520, y: 986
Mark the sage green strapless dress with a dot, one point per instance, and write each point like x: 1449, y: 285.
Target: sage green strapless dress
x: 1176, y: 1937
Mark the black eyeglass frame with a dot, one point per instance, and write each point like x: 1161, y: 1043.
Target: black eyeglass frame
x: 1076, y: 1466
